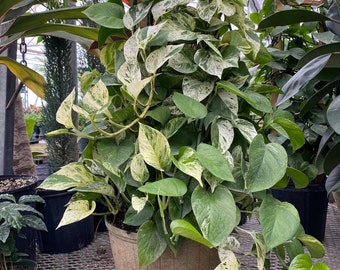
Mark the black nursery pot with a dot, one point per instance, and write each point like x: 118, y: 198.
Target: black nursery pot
x: 67, y: 238
x: 311, y: 203
x: 25, y: 245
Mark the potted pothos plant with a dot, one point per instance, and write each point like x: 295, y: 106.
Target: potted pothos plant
x: 310, y: 92
x: 178, y: 134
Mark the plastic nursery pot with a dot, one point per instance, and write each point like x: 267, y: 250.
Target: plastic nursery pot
x: 25, y: 245
x: 67, y: 238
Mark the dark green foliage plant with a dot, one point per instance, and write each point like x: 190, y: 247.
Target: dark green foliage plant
x: 14, y: 216
x: 60, y: 82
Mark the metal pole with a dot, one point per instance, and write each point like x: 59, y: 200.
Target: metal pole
x: 7, y: 88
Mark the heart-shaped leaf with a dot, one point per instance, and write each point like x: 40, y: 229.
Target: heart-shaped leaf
x: 279, y: 221
x: 154, y: 147
x: 215, y: 224
x: 267, y: 165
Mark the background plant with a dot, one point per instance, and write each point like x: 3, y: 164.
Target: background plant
x: 14, y: 216
x: 311, y: 88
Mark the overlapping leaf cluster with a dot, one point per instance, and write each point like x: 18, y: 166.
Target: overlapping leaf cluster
x: 178, y: 134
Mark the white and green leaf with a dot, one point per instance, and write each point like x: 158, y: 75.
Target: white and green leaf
x: 154, y: 148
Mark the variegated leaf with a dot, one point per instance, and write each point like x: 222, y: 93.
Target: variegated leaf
x: 154, y: 147
x: 226, y: 7
x: 188, y: 163
x: 158, y: 57
x: 163, y: 7
x: 182, y: 63
x: 254, y: 41
x: 206, y: 9
x: 222, y: 133
x: 147, y: 34
x: 138, y: 168
x: 246, y: 128
x: 77, y: 211
x: 97, y: 99
x: 196, y: 89
x: 136, y: 14
x: 129, y: 72
x: 69, y: 176
x: 64, y: 113
x: 135, y: 87
x: 131, y: 47
x: 138, y: 203
x: 212, y: 63
x: 230, y: 100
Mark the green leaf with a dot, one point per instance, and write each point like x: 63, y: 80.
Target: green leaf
x: 189, y: 106
x: 214, y: 223
x: 154, y: 147
x: 299, y: 178
x: 212, y: 159
x: 188, y: 163
x: 109, y: 15
x: 76, y: 211
x: 134, y: 218
x: 11, y: 216
x: 321, y: 50
x: 290, y: 130
x: 302, y: 77
x: 301, y: 262
x: 34, y: 222
x: 29, y: 77
x: 97, y: 187
x: 158, y: 57
x: 107, y: 150
x: 30, y: 21
x: 173, y: 125
x: 332, y: 158
x: 4, y: 232
x: 186, y: 229
x: 289, y: 17
x: 267, y: 165
x: 333, y: 114
x: 64, y: 113
x: 150, y: 244
x: 161, y: 114
x: 279, y: 221
x: 314, y: 246
x: 172, y: 187
x: 258, y: 101
x: 115, y: 175
x: 69, y: 176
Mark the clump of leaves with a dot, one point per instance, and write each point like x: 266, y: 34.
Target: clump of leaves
x: 15, y: 215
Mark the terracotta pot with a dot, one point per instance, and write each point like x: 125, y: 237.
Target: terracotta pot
x: 192, y: 255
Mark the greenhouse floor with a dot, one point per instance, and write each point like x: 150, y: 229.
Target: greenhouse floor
x: 98, y: 256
